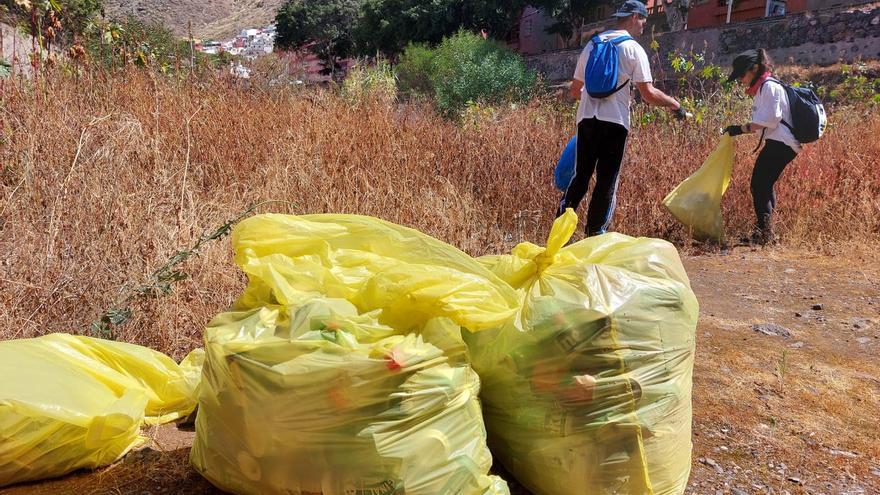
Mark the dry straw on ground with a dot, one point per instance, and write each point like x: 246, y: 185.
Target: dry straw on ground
x: 104, y: 177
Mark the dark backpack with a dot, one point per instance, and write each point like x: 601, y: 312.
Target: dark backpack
x: 600, y: 75
x: 808, y: 117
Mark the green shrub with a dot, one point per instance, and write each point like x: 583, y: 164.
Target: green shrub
x: 414, y: 69
x: 468, y: 68
x: 365, y: 81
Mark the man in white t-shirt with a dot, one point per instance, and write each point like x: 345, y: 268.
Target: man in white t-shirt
x: 603, y: 123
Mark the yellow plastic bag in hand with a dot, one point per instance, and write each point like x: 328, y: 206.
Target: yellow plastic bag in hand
x: 341, y: 368
x: 588, y: 390
x: 696, y: 202
x: 70, y: 402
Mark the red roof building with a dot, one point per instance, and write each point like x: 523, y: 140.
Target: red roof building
x: 710, y: 13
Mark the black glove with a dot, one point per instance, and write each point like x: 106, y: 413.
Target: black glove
x: 733, y: 130
x: 680, y: 113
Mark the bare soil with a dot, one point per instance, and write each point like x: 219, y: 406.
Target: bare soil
x: 786, y: 385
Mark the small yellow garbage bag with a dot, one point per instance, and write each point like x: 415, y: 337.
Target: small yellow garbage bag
x: 69, y: 402
x: 696, y: 202
x: 588, y: 390
x: 341, y: 369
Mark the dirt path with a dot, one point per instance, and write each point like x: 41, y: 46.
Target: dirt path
x: 791, y: 407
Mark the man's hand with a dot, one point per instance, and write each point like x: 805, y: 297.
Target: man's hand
x: 733, y: 130
x: 574, y: 89
x: 681, y: 114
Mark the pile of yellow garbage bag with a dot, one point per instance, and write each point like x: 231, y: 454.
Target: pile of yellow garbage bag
x: 588, y: 390
x: 358, y: 357
x: 696, y: 202
x: 70, y: 402
x: 341, y: 369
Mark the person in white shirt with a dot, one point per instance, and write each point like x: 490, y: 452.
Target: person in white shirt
x: 770, y: 114
x: 603, y: 123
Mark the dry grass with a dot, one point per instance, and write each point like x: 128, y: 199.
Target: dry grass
x: 104, y: 177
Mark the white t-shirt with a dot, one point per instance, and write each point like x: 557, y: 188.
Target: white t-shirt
x: 770, y: 109
x: 633, y: 66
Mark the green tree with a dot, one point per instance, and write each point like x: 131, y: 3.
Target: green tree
x: 569, y: 16
x: 326, y: 26
x: 72, y: 16
x: 388, y: 26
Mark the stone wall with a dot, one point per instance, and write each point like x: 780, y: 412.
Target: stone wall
x: 822, y: 37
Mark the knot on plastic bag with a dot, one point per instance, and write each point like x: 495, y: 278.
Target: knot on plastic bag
x: 543, y: 260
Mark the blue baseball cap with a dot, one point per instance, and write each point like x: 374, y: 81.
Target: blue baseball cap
x: 631, y: 7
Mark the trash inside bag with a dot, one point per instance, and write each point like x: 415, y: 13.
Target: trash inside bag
x: 696, y: 202
x: 70, y: 402
x: 588, y: 390
x: 565, y: 167
x: 341, y: 369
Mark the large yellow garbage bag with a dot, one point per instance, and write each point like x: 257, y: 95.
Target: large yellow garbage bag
x: 70, y: 402
x: 589, y: 389
x: 696, y: 202
x: 341, y: 369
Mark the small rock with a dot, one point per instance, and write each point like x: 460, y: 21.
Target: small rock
x: 737, y: 491
x: 817, y: 307
x: 876, y: 472
x: 797, y: 345
x: 794, y: 479
x: 860, y: 323
x: 790, y: 270
x: 711, y: 462
x: 798, y: 315
x: 863, y: 340
x: 772, y: 330
x: 843, y: 453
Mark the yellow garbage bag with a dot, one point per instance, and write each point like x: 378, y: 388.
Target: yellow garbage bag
x: 588, y: 390
x: 696, y: 202
x: 70, y: 402
x: 341, y: 369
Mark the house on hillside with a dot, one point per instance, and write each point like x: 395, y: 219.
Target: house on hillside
x: 303, y: 64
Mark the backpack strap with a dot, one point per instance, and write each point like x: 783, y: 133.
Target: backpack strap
x: 617, y: 41
x: 781, y: 121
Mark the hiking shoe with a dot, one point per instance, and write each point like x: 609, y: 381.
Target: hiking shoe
x: 759, y: 238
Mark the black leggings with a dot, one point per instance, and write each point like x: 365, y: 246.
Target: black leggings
x: 768, y: 167
x: 600, y: 147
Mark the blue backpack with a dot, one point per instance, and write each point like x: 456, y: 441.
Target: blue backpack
x: 600, y: 76
x: 565, y: 166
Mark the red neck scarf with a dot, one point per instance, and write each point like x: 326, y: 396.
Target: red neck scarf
x: 753, y: 90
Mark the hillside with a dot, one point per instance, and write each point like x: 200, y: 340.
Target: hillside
x: 210, y: 18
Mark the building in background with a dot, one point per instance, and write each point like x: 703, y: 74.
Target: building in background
x: 530, y: 37
x: 713, y: 13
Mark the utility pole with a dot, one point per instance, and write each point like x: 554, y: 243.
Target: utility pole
x: 729, y: 9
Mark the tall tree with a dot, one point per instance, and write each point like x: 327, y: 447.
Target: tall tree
x: 569, y: 17
x: 325, y: 24
x: 387, y: 26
